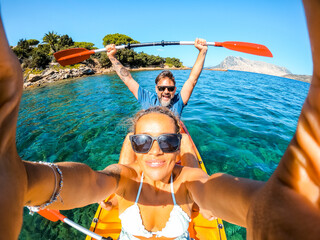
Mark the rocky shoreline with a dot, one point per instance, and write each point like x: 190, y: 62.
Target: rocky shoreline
x: 302, y: 78
x: 52, y: 74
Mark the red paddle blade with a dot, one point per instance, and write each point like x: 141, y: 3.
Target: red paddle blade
x: 52, y: 215
x: 72, y: 56
x: 251, y: 48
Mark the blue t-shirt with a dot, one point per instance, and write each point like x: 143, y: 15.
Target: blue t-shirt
x: 148, y: 99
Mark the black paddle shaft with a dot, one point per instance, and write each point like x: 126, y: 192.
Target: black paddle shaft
x: 162, y: 43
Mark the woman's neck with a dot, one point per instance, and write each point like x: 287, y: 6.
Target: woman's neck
x: 161, y: 184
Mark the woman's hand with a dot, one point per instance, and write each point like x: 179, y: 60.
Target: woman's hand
x: 111, y: 202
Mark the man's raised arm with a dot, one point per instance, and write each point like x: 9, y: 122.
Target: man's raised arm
x: 188, y: 86
x: 122, y: 72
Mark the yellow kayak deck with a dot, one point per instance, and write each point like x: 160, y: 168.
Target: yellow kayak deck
x: 107, y: 223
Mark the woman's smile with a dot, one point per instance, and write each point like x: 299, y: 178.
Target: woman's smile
x: 154, y: 163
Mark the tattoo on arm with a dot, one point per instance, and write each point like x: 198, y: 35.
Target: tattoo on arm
x: 113, y: 171
x: 204, y: 53
x: 124, y: 72
x: 114, y: 61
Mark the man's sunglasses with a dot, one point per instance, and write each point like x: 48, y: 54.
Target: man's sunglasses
x: 170, y: 88
x: 168, y: 143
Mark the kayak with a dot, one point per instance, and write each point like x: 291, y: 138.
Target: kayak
x: 107, y: 223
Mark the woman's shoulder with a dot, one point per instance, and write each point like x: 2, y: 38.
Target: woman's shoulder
x: 131, y: 170
x: 122, y: 171
x: 185, y: 173
x: 126, y: 175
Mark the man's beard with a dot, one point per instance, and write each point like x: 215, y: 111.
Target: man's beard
x: 165, y: 103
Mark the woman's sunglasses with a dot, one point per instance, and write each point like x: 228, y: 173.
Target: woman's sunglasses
x: 168, y: 143
x: 170, y: 88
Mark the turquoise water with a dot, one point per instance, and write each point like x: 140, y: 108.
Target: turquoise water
x: 241, y: 122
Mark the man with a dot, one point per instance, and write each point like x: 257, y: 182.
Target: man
x: 165, y: 96
x: 165, y: 83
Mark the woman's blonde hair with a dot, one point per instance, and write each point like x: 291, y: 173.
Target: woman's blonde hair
x: 157, y: 109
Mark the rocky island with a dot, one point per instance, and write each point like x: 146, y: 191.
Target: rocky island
x: 39, y: 66
x: 243, y: 64
x: 54, y: 73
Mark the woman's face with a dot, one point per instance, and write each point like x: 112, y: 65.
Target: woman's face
x: 156, y: 164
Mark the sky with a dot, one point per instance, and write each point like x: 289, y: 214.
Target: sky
x: 278, y: 24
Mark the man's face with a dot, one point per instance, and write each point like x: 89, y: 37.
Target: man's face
x: 165, y: 90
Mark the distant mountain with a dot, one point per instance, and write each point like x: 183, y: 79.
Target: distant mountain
x: 242, y: 64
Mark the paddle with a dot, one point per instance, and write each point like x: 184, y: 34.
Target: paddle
x: 55, y: 215
x: 76, y: 55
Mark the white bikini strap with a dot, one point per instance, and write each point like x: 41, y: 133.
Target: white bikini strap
x: 139, y: 191
x: 172, y: 192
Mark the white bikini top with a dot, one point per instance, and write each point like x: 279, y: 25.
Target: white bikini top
x: 176, y: 227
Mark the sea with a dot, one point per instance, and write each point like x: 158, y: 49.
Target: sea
x: 241, y: 123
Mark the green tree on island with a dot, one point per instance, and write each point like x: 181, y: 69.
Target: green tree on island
x: 65, y: 41
x: 87, y: 45
x: 33, y: 42
x: 22, y: 50
x: 118, y: 39
x: 173, y: 62
x: 130, y: 58
x: 52, y: 39
x: 30, y: 55
x: 126, y: 56
x: 38, y: 56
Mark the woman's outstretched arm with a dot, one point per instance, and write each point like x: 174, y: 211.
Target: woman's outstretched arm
x: 292, y: 195
x: 13, y: 177
x: 28, y: 183
x: 287, y: 206
x: 81, y: 185
x: 222, y: 195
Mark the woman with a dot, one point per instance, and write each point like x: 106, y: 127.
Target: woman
x: 155, y: 195
x: 268, y: 210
